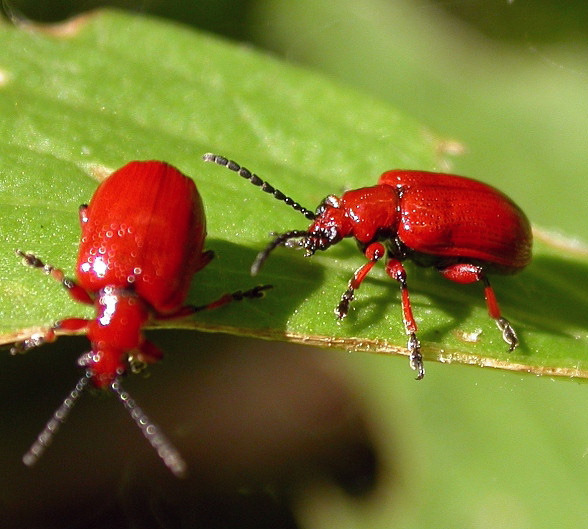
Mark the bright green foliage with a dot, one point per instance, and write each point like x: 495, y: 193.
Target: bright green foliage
x: 78, y: 104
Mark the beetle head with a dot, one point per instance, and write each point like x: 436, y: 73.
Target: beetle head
x: 115, y: 334
x: 329, y: 226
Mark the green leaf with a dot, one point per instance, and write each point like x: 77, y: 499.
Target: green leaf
x: 83, y: 99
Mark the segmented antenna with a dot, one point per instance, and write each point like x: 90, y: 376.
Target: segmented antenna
x: 59, y: 417
x: 166, y: 451
x: 256, y: 181
x: 162, y: 445
x: 279, y: 240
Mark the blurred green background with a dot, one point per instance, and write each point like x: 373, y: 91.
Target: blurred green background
x: 507, y: 83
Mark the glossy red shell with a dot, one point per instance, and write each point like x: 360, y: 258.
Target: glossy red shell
x: 144, y: 227
x: 453, y: 216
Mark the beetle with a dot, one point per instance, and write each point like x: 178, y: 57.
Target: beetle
x: 142, y: 240
x: 462, y: 227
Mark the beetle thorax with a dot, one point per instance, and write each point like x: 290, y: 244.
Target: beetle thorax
x: 116, y: 331
x: 364, y: 214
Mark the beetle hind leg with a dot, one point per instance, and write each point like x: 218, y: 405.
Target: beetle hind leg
x: 468, y: 273
x: 239, y: 295
x: 508, y: 333
x: 75, y: 291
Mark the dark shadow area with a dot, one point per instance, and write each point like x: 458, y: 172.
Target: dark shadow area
x: 551, y: 295
x: 224, y: 17
x: 250, y: 416
x: 555, y: 291
x: 293, y: 277
x: 523, y: 22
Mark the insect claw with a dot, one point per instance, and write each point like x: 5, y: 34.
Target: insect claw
x: 508, y: 333
x: 343, y: 308
x: 416, y: 359
x: 36, y: 340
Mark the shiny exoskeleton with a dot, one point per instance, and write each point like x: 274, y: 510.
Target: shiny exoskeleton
x: 143, y: 237
x: 464, y: 228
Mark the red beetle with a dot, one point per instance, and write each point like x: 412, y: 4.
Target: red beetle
x: 142, y: 241
x: 463, y: 228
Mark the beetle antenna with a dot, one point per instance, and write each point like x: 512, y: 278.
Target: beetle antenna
x: 162, y: 445
x: 256, y: 181
x: 278, y: 241
x: 59, y: 417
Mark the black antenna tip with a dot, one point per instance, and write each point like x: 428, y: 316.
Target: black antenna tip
x: 256, y: 181
x: 209, y: 157
x: 279, y: 240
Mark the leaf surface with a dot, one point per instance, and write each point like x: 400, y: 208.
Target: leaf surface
x: 83, y: 99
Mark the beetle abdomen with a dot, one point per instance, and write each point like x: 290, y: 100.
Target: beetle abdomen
x: 451, y: 216
x: 151, y: 242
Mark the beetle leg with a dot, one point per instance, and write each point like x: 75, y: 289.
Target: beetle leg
x: 468, y: 273
x: 508, y: 333
x: 71, y: 324
x: 396, y: 271
x: 205, y: 258
x: 147, y: 353
x: 187, y: 310
x: 35, y: 340
x: 238, y: 295
x: 75, y: 291
x: 374, y: 252
x: 38, y: 339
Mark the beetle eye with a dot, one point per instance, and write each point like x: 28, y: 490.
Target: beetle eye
x: 329, y: 201
x: 321, y: 239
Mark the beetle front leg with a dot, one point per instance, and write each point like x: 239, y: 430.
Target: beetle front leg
x: 38, y: 339
x: 374, y: 252
x: 238, y: 295
x: 468, y: 273
x: 75, y: 291
x: 396, y: 271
